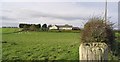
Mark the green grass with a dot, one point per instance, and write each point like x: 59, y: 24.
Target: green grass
x: 0, y: 44
x: 40, y: 45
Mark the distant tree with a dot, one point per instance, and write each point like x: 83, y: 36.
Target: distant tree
x: 49, y: 26
x: 21, y: 25
x: 33, y: 28
x: 28, y: 25
x: 44, y: 27
x: 25, y: 27
x: 39, y: 25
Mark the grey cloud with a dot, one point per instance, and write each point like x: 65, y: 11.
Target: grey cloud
x: 10, y: 24
x: 37, y: 14
x: 51, y: 12
x: 7, y: 18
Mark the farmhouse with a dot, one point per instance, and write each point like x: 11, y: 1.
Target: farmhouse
x: 53, y: 27
x: 61, y: 27
x: 65, y: 27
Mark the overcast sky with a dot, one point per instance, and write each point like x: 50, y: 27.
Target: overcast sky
x: 70, y: 12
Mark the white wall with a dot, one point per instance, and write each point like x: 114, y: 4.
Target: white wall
x: 65, y: 28
x: 53, y: 27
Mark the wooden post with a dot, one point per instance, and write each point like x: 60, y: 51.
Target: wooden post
x: 93, y: 52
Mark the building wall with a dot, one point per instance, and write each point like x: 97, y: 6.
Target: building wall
x: 65, y: 28
x: 53, y: 27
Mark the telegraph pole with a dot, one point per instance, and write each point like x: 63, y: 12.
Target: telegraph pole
x: 106, y: 11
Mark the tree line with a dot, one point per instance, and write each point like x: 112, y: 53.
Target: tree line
x: 33, y: 27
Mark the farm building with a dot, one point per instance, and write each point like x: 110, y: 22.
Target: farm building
x: 75, y: 28
x: 53, y: 27
x: 60, y: 27
x: 65, y: 27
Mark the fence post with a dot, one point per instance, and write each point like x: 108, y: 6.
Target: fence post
x: 93, y: 52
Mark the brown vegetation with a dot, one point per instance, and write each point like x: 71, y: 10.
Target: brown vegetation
x: 96, y: 30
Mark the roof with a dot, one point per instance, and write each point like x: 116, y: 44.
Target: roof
x: 76, y: 28
x: 64, y: 25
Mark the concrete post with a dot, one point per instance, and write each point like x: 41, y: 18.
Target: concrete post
x: 93, y: 52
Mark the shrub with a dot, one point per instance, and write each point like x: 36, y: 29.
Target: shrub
x: 44, y: 27
x: 96, y: 30
x: 25, y: 28
x: 33, y: 28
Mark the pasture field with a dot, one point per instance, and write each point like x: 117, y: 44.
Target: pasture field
x: 40, y: 45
